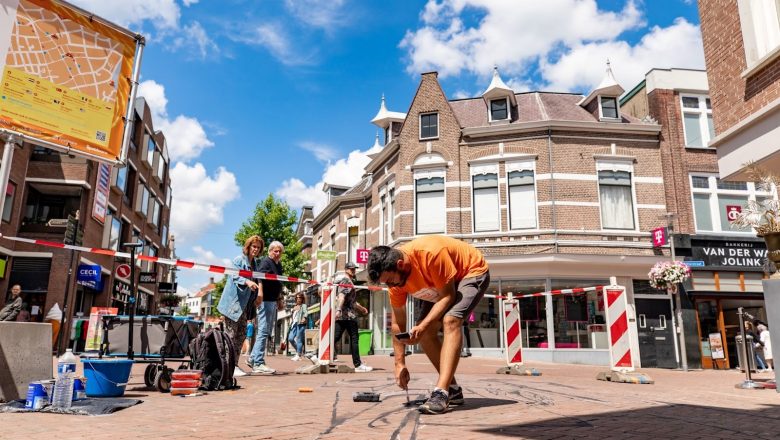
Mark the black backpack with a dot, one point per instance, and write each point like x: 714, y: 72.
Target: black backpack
x: 213, y: 353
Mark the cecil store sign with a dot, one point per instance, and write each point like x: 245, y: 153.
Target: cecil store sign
x: 729, y: 254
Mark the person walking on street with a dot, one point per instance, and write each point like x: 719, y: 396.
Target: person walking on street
x: 298, y: 328
x: 12, y: 309
x: 450, y: 277
x: 760, y: 365
x: 766, y: 341
x: 269, y: 294
x: 347, y: 309
x: 237, y: 303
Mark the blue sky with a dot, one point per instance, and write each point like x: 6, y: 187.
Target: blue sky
x: 259, y: 97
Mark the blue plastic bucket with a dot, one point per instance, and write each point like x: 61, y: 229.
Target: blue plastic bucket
x: 106, y: 377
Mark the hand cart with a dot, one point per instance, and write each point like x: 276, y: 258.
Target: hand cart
x: 161, y: 339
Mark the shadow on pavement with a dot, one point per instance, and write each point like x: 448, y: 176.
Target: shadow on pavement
x: 668, y: 421
x: 484, y: 402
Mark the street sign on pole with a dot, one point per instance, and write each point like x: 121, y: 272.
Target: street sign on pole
x: 123, y: 270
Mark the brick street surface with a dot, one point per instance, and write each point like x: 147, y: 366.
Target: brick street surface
x: 566, y: 402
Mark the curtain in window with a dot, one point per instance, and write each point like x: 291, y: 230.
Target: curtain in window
x: 617, y: 208
x: 431, y: 215
x: 765, y: 24
x: 701, y: 209
x: 353, y: 244
x: 486, y: 214
x: 522, y: 200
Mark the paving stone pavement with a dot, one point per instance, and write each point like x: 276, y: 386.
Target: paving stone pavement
x: 566, y: 402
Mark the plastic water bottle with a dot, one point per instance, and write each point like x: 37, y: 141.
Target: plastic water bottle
x: 63, y: 387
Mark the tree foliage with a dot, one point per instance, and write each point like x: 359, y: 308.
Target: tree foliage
x: 184, y: 310
x: 273, y: 220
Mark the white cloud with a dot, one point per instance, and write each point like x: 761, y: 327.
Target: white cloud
x: 275, y: 39
x: 678, y: 45
x: 325, y: 14
x: 568, y: 41
x: 129, y: 13
x: 199, y: 199
x: 189, y: 2
x: 343, y: 172
x: 322, y: 152
x: 202, y: 255
x: 194, y: 36
x: 185, y: 135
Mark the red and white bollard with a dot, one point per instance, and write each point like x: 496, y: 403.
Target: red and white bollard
x: 327, y: 323
x: 513, y: 341
x: 621, y: 363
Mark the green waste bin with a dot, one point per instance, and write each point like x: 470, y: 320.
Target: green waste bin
x: 364, y: 341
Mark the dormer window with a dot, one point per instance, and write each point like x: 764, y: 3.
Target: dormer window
x: 387, y: 135
x: 499, y: 109
x: 608, y: 108
x: 429, y: 126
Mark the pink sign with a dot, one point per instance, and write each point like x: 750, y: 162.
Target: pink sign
x: 659, y: 237
x: 362, y: 256
x: 732, y: 211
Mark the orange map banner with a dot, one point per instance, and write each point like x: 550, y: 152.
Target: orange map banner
x: 65, y: 77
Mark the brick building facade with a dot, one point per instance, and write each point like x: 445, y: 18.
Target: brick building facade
x: 742, y: 53
x: 679, y: 100
x: 557, y: 190
x: 51, y: 196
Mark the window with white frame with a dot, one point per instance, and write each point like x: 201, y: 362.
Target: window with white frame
x: 353, y: 243
x: 151, y: 146
x: 484, y: 181
x: 522, y: 195
x: 616, y: 195
x: 383, y: 219
x: 608, y: 107
x: 429, y: 125
x: 713, y: 199
x: 391, y: 215
x: 499, y: 109
x: 430, y: 202
x: 760, y: 22
x: 697, y: 120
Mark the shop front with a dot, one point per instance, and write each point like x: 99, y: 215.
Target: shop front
x: 726, y: 275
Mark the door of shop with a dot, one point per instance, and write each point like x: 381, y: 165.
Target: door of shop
x: 656, y: 337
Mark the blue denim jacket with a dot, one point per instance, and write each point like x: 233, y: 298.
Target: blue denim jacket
x: 236, y: 294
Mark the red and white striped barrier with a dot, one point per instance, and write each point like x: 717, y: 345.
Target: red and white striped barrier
x: 327, y: 323
x: 617, y: 329
x: 512, y: 334
x: 186, y: 264
x: 574, y: 291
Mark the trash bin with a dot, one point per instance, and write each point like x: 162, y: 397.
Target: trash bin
x: 741, y: 352
x: 364, y: 341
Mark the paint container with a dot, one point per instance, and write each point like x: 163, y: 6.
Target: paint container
x: 36, y: 396
x: 79, y: 388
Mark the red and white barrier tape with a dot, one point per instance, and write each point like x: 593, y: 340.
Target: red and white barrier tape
x: 552, y: 292
x: 187, y: 264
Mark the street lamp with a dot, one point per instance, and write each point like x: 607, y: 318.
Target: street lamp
x: 675, y: 291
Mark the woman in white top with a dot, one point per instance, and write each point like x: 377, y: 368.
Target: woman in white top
x: 763, y: 336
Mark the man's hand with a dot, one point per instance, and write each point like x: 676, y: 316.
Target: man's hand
x: 402, y: 377
x: 416, y: 333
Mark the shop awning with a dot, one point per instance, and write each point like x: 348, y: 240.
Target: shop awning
x: 726, y: 294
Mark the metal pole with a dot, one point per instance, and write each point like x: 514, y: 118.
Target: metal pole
x: 132, y: 300
x: 5, y: 168
x: 678, y: 302
x: 140, y: 42
x: 65, y: 304
x: 748, y: 383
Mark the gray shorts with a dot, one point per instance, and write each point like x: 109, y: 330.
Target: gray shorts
x: 468, y: 293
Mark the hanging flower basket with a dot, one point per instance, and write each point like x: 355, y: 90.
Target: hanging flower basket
x: 667, y: 274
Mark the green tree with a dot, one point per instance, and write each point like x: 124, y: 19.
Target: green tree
x: 219, y: 287
x: 273, y: 220
x: 184, y: 310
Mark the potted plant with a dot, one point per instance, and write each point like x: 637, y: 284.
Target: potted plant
x: 764, y: 215
x: 668, y: 274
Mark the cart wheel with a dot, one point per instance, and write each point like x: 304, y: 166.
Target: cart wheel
x: 163, y: 380
x: 149, y: 374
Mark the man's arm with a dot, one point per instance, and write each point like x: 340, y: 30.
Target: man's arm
x: 437, y: 311
x: 399, y: 349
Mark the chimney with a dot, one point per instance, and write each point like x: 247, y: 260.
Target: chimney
x: 211, y: 280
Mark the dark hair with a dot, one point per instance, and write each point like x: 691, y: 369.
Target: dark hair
x: 382, y: 259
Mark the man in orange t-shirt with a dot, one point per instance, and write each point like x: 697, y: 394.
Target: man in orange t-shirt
x: 450, y: 277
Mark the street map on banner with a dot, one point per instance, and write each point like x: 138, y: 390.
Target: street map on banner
x: 64, y: 76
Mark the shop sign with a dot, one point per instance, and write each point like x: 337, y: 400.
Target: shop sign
x: 147, y: 277
x: 163, y: 287
x: 732, y: 212
x: 326, y: 255
x: 122, y: 290
x: 123, y: 270
x: 659, y: 237
x: 729, y: 254
x: 90, y: 275
x: 362, y: 256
